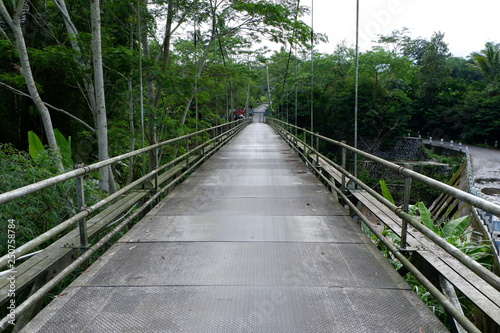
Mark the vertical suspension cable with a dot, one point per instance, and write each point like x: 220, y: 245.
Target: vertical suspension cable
x: 287, y: 106
x: 356, y: 91
x: 141, y: 92
x: 196, y: 71
x: 296, y: 88
x: 247, y: 102
x: 296, y: 66
x: 312, y: 71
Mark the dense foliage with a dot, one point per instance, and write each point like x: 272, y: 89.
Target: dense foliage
x: 405, y: 86
x: 196, y: 58
x: 173, y: 67
x: 39, y: 211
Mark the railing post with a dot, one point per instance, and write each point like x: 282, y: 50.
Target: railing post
x: 317, y: 149
x: 406, y: 205
x: 80, y: 203
x: 202, y: 144
x: 344, y: 162
x: 156, y: 162
x: 187, y: 149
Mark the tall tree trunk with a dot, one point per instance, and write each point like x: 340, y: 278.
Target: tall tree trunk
x: 202, y: 62
x: 102, y: 123
x: 14, y: 23
x: 131, y: 115
x: 166, y: 47
x: 154, y: 97
x: 201, y: 66
x: 89, y: 90
x: 96, y: 102
x: 150, y: 93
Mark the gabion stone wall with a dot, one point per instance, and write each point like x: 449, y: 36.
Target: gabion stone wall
x: 405, y: 149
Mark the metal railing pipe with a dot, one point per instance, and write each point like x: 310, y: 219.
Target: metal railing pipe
x: 28, y: 189
x: 445, y: 188
x: 447, y: 305
x: 40, y: 239
x: 37, y: 241
x: 473, y: 265
x: 40, y: 293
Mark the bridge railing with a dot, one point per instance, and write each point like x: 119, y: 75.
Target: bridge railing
x: 309, y: 147
x: 489, y: 220
x: 490, y: 223
x: 196, y: 154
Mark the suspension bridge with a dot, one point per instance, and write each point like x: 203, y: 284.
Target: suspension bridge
x: 251, y: 241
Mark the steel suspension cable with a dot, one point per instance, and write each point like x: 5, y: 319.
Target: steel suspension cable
x: 287, y: 69
x: 141, y: 91
x: 296, y: 89
x: 312, y: 69
x: 356, y: 92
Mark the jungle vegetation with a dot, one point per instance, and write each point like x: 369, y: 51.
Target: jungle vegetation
x: 90, y: 80
x: 93, y: 81
x: 106, y: 77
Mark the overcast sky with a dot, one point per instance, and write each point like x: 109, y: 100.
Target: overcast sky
x: 467, y: 25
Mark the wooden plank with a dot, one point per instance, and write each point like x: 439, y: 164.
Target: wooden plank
x: 332, y: 171
x: 488, y: 302
x: 472, y: 286
x: 64, y: 248
x: 444, y: 208
x: 447, y: 208
x: 171, y: 173
x: 388, y: 217
x: 454, y: 181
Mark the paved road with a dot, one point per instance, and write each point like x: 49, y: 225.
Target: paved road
x: 258, y: 113
x: 250, y: 242
x: 485, y: 167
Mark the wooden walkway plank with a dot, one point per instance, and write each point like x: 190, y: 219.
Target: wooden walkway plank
x: 473, y: 287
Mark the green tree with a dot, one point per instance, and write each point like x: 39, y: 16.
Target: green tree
x: 488, y: 61
x: 14, y: 22
x: 433, y: 75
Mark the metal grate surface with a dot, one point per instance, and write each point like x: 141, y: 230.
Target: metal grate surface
x: 213, y: 205
x: 338, y: 229
x: 247, y: 263
x: 252, y: 242
x: 225, y: 191
x: 236, y: 309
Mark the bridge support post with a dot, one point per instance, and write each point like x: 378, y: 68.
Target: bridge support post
x: 449, y: 292
x: 187, y: 149
x: 202, y: 145
x: 317, y: 150
x: 156, y: 162
x: 406, y: 204
x: 344, y: 162
x: 80, y: 202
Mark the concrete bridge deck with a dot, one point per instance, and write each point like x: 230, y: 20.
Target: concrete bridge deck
x: 251, y: 242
